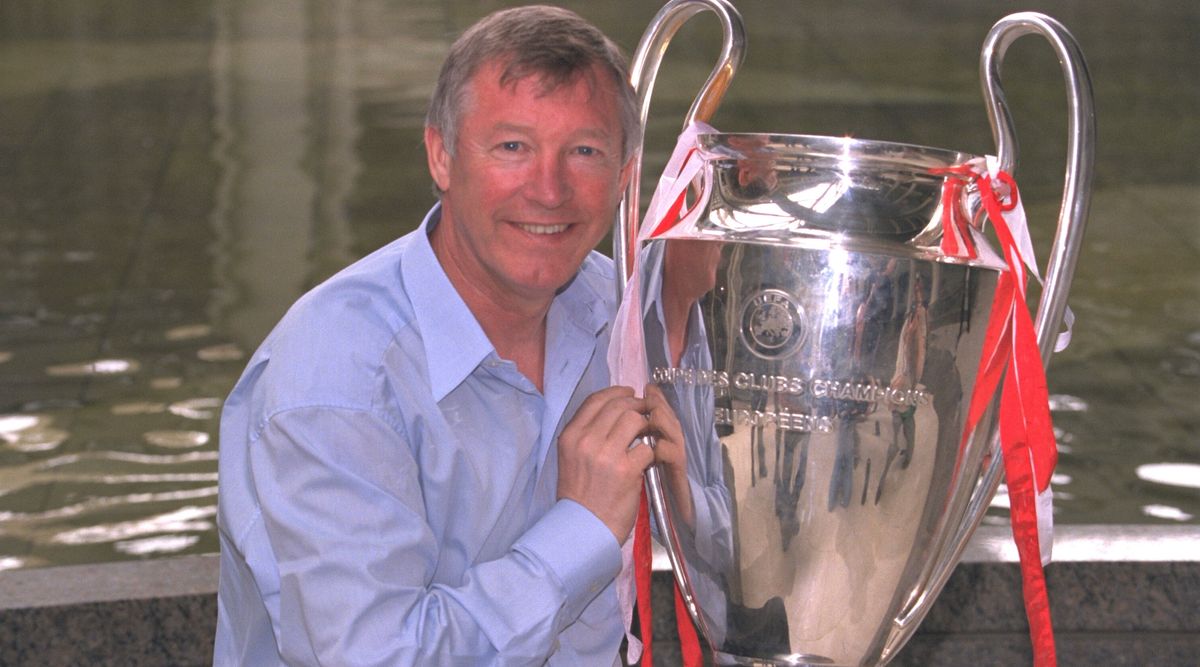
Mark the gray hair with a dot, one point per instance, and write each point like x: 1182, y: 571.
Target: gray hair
x: 552, y: 43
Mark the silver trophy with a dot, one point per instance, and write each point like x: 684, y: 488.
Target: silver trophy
x: 820, y: 351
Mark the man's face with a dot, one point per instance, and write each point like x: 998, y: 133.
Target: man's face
x: 532, y: 186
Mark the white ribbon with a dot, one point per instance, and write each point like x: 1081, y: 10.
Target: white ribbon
x: 626, y: 349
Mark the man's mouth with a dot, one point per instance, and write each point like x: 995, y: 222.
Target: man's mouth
x: 543, y: 229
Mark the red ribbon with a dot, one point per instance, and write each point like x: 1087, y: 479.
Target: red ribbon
x: 642, y: 565
x: 1026, y: 434
x: 643, y: 560
x: 675, y: 213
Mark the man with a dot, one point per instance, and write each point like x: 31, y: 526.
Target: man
x: 424, y: 463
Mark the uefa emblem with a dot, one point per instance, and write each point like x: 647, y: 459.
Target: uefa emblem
x: 773, y: 324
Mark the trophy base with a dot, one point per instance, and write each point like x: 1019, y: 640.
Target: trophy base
x: 790, y: 660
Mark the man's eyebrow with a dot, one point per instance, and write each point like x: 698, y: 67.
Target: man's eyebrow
x: 582, y: 132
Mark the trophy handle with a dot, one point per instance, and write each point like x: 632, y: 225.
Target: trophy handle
x: 1072, y: 217
x: 642, y: 73
x: 1081, y: 140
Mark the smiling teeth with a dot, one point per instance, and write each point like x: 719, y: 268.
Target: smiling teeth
x: 543, y: 229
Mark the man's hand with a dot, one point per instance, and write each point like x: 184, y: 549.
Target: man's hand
x: 596, y: 466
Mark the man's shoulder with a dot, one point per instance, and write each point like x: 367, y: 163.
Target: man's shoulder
x: 330, y: 346
x: 365, y: 301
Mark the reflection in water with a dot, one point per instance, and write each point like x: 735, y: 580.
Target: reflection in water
x: 171, y: 196
x: 1065, y: 403
x: 161, y: 544
x: 97, y: 367
x: 94, y: 470
x: 165, y: 383
x: 254, y: 166
x: 1166, y: 512
x: 30, y: 433
x: 278, y: 211
x: 114, y: 486
x: 196, y: 408
x: 102, y: 468
x: 223, y: 352
x: 138, y: 408
x: 188, y: 332
x: 265, y: 196
x: 176, y: 439
x: 1186, y: 475
x: 12, y: 424
x: 185, y: 519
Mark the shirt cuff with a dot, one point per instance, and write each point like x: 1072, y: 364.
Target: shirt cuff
x: 578, y: 548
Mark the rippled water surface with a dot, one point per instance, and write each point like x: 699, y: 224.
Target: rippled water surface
x: 175, y: 174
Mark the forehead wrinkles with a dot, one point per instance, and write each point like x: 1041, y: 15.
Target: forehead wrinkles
x: 509, y: 77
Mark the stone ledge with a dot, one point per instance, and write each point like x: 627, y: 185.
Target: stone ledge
x: 149, y: 632
x: 1136, y: 602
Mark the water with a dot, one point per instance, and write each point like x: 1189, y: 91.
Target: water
x: 172, y: 176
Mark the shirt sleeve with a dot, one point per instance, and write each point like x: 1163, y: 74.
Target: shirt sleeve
x: 343, y: 509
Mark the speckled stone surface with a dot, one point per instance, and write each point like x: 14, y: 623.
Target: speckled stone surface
x: 1105, y: 613
x: 1108, y: 613
x: 166, y: 632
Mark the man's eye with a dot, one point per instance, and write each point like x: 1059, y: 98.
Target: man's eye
x: 510, y: 146
x: 587, y: 150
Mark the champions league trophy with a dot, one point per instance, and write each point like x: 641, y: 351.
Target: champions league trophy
x: 817, y: 310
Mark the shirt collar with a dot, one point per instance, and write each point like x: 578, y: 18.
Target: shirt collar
x: 589, y: 300
x: 454, y: 342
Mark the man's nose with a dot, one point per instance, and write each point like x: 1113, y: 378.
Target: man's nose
x: 549, y: 184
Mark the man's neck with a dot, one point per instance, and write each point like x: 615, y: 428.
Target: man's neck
x: 517, y: 332
x: 515, y: 326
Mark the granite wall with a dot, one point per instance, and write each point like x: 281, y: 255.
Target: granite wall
x: 1143, y: 610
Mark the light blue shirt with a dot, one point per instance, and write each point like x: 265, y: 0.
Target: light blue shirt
x: 387, y: 482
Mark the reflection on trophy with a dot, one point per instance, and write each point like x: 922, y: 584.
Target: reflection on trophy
x: 821, y: 349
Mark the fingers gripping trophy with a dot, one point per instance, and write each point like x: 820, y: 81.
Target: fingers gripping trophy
x: 851, y: 358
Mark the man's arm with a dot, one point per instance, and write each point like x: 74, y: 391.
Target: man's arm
x: 356, y: 556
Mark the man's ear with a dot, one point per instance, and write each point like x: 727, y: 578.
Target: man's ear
x: 627, y: 171
x: 438, y: 157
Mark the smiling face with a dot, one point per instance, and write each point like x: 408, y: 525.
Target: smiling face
x: 532, y: 185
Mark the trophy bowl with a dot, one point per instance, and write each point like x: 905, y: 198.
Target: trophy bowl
x: 822, y: 384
